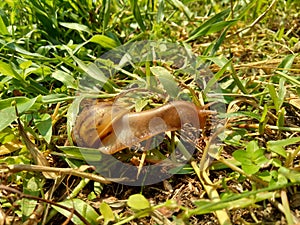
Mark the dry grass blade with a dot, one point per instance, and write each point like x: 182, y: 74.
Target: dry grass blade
x: 213, y: 194
x: 38, y: 157
x: 57, y: 171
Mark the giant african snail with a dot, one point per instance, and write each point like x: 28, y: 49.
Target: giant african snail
x: 111, y: 128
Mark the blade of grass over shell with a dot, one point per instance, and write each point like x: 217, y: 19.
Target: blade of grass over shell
x: 167, y: 80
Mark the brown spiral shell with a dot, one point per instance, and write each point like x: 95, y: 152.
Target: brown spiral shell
x: 111, y: 128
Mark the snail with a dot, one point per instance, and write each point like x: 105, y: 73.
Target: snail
x: 112, y: 128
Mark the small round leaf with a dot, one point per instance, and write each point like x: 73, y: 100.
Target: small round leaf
x: 138, y: 202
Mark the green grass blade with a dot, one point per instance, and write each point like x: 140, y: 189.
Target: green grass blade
x: 238, y: 81
x: 137, y: 14
x: 216, y: 77
x: 286, y: 63
x: 181, y: 7
x: 207, y: 26
x: 105, y: 14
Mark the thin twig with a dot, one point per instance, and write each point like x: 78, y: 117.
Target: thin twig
x: 59, y: 171
x: 212, y: 193
x: 237, y: 169
x: 258, y: 19
x: 22, y: 195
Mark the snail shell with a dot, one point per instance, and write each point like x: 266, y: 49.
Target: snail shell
x: 111, y: 128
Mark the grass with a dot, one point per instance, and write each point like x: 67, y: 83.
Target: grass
x: 245, y: 64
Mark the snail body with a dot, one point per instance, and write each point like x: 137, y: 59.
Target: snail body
x: 111, y: 128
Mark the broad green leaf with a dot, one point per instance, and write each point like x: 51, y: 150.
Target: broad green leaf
x: 44, y: 125
x: 104, y: 41
x: 138, y: 202
x: 72, y: 113
x: 282, y: 179
x: 25, y: 65
x: 5, y: 103
x: 277, y: 149
x: 106, y: 212
x: 276, y: 162
x: 65, y: 78
x: 252, y: 158
x: 8, y: 114
x: 19, y: 159
x: 252, y: 147
x: 92, y: 70
x: 82, y: 207
x: 167, y: 80
x: 278, y: 146
x: 250, y: 169
x: 7, y: 70
x: 3, y: 28
x: 76, y: 26
x: 32, y: 187
x: 242, y: 156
